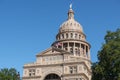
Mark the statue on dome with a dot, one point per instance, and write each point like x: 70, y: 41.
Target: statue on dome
x: 70, y: 6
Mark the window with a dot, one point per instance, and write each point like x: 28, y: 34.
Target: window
x: 80, y: 78
x: 70, y: 16
x: 31, y: 72
x: 76, y: 51
x: 73, y: 69
x: 75, y: 36
x: 52, y: 77
x: 66, y: 35
x: 58, y: 37
x: 79, y: 52
x: 71, y: 50
x: 62, y: 36
x: 71, y: 35
x: 79, y: 36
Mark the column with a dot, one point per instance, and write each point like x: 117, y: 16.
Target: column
x: 85, y: 51
x: 80, y: 49
x: 62, y: 46
x: 88, y: 52
x: 74, y: 48
x: 68, y: 47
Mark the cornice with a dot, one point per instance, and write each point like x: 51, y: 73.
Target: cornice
x: 69, y: 40
x: 54, y: 65
x: 31, y: 77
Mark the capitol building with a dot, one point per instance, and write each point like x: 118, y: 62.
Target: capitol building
x: 68, y: 58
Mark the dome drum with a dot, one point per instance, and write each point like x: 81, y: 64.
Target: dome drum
x: 71, y: 35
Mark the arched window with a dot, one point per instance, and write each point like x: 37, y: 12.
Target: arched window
x: 67, y: 35
x: 80, y: 78
x: 52, y: 77
x: 59, y: 36
x: 87, y: 51
x: 76, y: 51
x: 79, y: 36
x: 71, y: 50
x: 62, y: 36
x: 75, y: 36
x: 71, y: 35
x: 79, y: 52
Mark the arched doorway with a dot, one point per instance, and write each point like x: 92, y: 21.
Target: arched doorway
x: 52, y: 77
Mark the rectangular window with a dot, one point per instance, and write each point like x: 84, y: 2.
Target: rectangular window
x: 32, y: 72
x: 73, y: 69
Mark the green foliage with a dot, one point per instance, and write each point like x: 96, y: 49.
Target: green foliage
x: 108, y: 66
x: 9, y: 74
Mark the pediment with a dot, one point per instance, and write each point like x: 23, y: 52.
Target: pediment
x: 51, y: 51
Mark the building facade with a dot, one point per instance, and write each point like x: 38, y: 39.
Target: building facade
x: 68, y: 58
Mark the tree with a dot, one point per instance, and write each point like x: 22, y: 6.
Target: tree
x: 9, y: 74
x: 108, y: 65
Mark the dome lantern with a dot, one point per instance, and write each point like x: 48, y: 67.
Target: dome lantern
x: 70, y: 13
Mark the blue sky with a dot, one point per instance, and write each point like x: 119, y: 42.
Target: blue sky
x: 28, y: 27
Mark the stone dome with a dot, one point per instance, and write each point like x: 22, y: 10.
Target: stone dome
x: 71, y: 24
